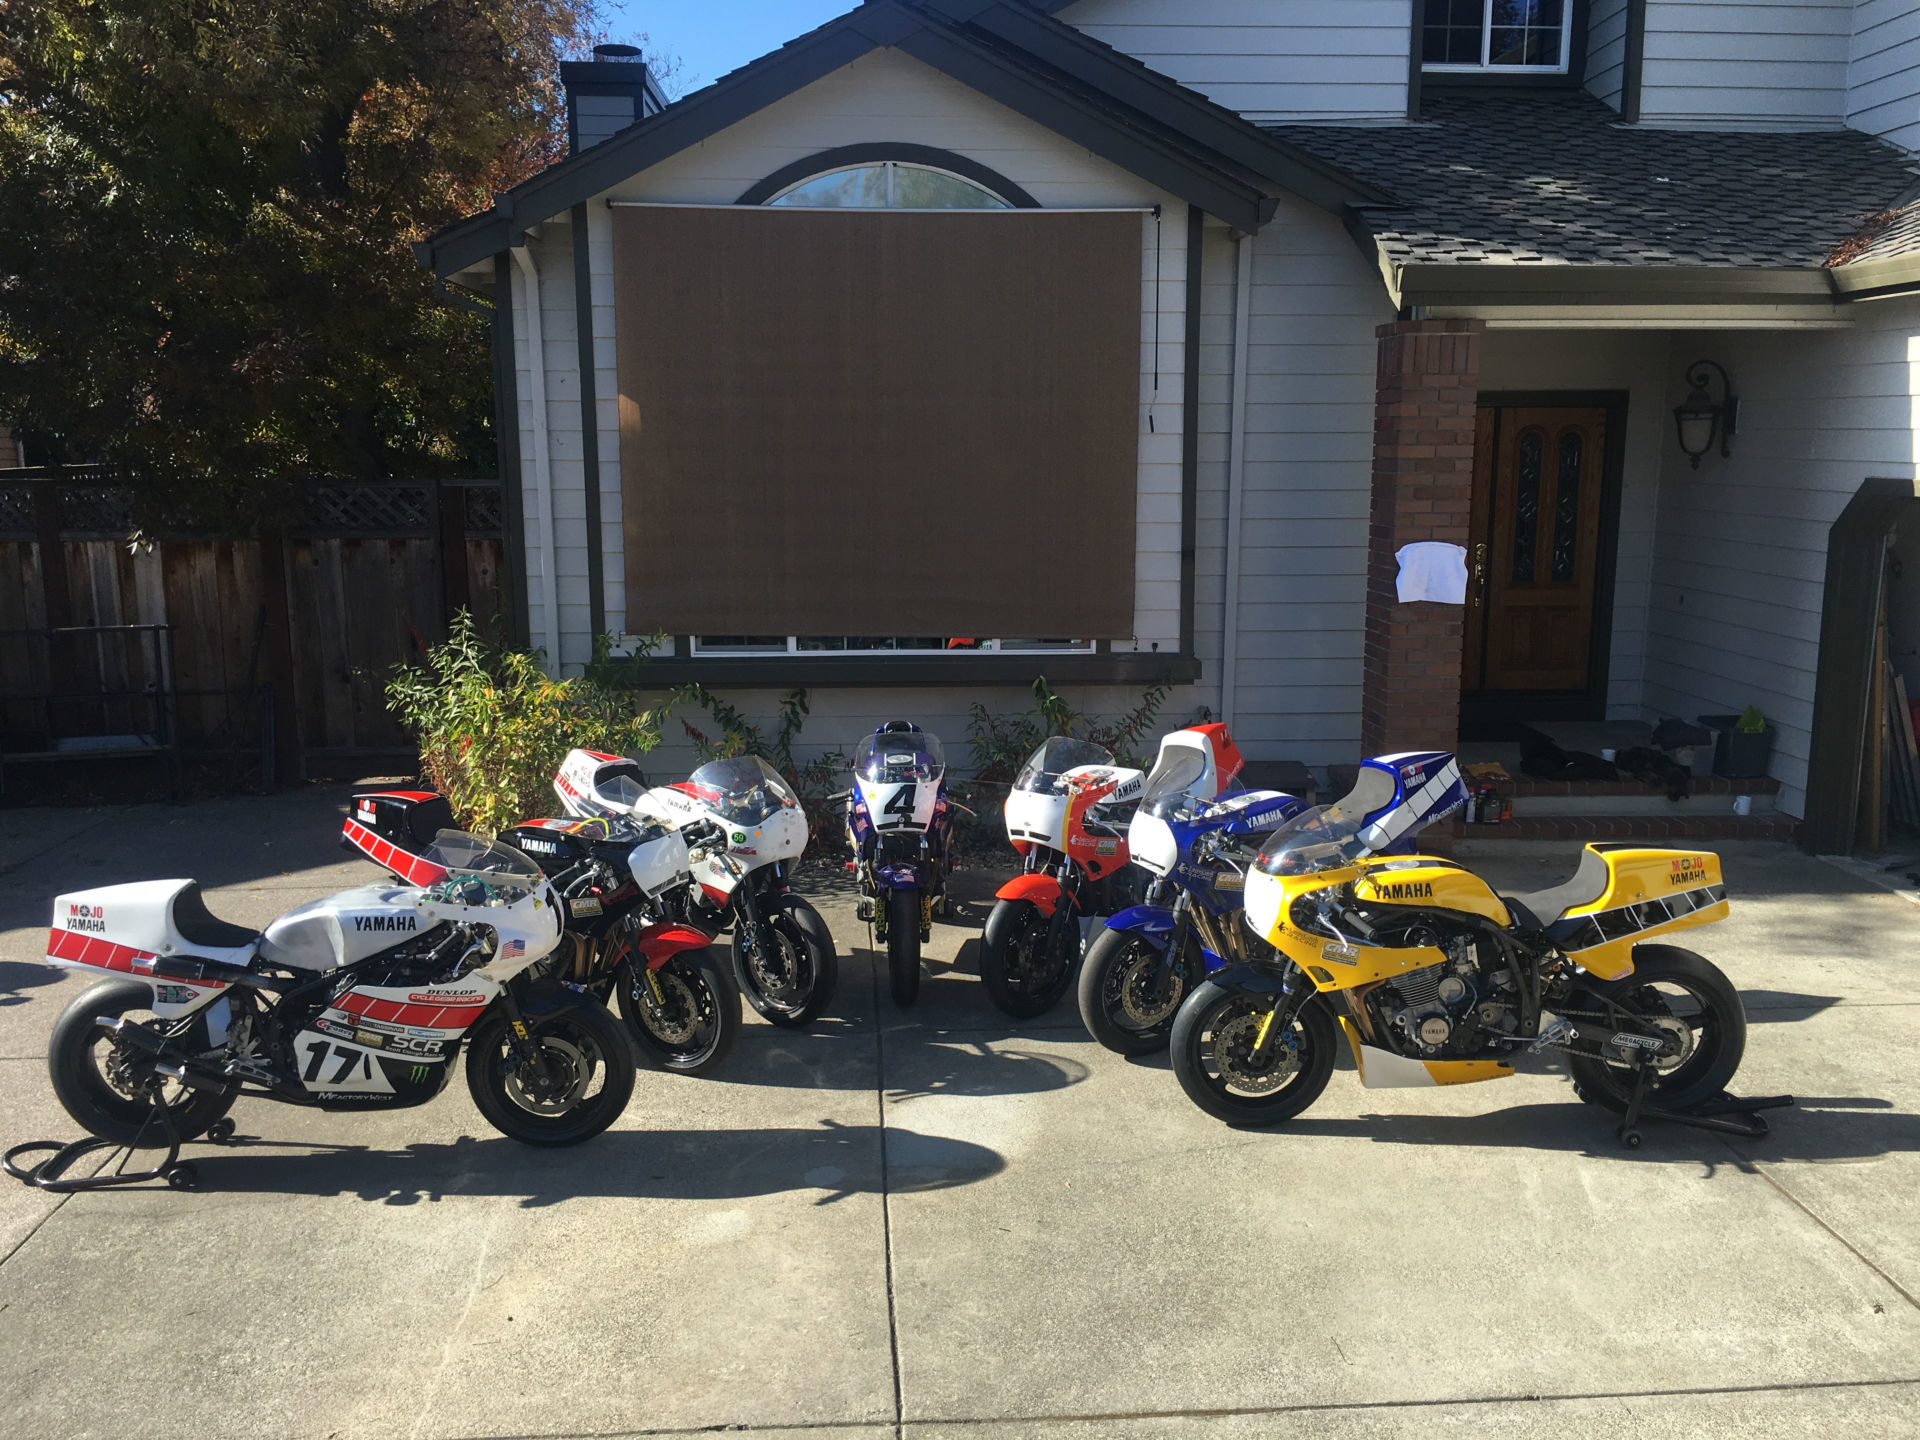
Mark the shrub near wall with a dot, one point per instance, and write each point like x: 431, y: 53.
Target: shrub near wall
x: 493, y: 727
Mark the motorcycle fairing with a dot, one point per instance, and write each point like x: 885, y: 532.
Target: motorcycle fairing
x: 387, y: 849
x: 1643, y: 893
x: 1153, y: 923
x: 1423, y: 882
x: 1383, y: 1070
x: 389, y: 1044
x: 901, y: 804
x: 1252, y: 812
x: 660, y: 943
x: 129, y: 929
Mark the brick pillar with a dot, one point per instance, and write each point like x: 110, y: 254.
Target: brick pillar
x: 1425, y: 389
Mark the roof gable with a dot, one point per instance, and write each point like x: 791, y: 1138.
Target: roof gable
x: 1006, y: 50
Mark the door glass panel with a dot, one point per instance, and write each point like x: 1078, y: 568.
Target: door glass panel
x: 1566, y: 508
x: 1526, y: 505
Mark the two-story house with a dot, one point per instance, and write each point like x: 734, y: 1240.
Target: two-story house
x: 961, y: 340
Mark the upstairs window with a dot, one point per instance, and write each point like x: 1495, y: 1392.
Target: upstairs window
x: 1503, y: 37
x: 890, y: 185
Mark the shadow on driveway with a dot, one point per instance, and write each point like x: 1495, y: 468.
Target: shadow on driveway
x: 840, y: 1160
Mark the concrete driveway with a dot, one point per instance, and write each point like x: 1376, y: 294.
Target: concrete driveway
x: 936, y: 1224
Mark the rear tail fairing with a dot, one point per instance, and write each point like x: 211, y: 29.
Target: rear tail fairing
x: 586, y: 785
x: 1649, y: 893
x: 132, y: 930
x: 1425, y: 786
x: 392, y: 828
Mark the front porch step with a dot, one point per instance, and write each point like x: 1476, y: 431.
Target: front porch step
x: 1659, y: 829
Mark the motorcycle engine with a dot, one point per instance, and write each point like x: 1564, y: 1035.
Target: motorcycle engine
x: 1452, y: 1010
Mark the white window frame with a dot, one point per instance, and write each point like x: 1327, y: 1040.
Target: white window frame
x: 1486, y: 66
x: 701, y: 650
x: 891, y: 167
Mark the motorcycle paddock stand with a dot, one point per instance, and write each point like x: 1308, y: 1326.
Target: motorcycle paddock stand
x: 1724, y: 1113
x: 50, y: 1174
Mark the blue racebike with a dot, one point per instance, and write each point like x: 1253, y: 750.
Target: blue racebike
x: 1151, y: 957
x: 900, y: 825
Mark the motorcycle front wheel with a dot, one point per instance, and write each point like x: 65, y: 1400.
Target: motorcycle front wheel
x: 1024, y: 965
x: 685, y: 1015
x: 1213, y: 1046
x: 794, y: 984
x: 903, y: 945
x: 1679, y: 992
x: 1130, y: 991
x: 588, y: 1083
x: 106, y: 1089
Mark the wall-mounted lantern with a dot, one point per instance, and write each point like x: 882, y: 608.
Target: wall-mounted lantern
x: 1701, y: 418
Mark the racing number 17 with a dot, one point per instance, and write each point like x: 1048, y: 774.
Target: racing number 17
x: 317, y: 1056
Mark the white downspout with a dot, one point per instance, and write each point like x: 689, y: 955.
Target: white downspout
x: 1236, y: 479
x: 542, y: 457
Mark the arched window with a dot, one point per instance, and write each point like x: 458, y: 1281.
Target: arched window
x: 890, y: 185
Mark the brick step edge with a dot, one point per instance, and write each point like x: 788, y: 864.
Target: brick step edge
x: 1632, y: 827
x: 1702, y: 785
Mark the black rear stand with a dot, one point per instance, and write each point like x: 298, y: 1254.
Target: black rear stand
x: 1724, y: 1113
x: 51, y: 1173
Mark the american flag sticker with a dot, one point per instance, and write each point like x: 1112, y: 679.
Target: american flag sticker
x: 512, y: 948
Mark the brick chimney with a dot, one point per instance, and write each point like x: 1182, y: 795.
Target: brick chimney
x: 607, y: 94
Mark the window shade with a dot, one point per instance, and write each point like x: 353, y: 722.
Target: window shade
x: 882, y: 422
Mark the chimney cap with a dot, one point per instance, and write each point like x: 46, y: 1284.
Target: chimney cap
x: 616, y: 52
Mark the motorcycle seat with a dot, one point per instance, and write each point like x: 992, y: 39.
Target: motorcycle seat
x: 1541, y: 909
x: 202, y: 929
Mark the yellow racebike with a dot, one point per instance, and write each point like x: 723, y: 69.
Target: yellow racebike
x: 1436, y: 979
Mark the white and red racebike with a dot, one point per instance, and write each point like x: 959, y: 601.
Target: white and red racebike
x: 360, y: 1001
x: 783, y: 953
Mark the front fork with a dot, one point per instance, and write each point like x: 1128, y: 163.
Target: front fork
x: 529, y: 1053
x: 1285, y: 1004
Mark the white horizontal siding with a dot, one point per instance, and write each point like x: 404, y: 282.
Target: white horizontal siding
x: 1746, y: 64
x: 1606, y: 49
x: 1269, y: 59
x: 1309, y: 476
x: 1883, y: 74
x: 1531, y: 360
x: 1740, y: 553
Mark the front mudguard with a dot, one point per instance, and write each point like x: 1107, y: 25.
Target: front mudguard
x: 1043, y: 892
x: 1252, y: 979
x: 1152, y: 923
x: 542, y: 1003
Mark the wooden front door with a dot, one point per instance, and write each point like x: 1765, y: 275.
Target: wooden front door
x: 1533, y: 556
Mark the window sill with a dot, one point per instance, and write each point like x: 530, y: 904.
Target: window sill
x: 763, y: 672
x: 1440, y: 82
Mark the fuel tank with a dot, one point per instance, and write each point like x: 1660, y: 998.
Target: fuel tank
x: 1424, y: 882
x: 343, y: 928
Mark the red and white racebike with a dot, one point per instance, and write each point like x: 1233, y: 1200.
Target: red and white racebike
x: 360, y: 1001
x: 1067, y: 816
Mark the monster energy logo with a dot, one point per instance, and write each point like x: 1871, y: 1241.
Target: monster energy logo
x: 417, y: 1074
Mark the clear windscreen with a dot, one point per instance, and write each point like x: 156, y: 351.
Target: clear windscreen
x: 481, y: 871
x: 1169, y: 787
x: 743, y: 791
x: 1054, y: 757
x: 900, y: 756
x: 622, y: 792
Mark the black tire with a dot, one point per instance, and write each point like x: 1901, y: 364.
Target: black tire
x: 685, y: 1016
x: 1129, y: 995
x: 81, y: 1063
x: 1715, y: 1019
x: 1213, y: 1024
x: 1023, y: 977
x: 584, y: 1045
x: 903, y: 945
x: 805, y: 972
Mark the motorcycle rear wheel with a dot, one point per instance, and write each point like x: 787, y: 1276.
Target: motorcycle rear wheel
x: 94, y: 1084
x: 1120, y: 1002
x: 692, y: 1024
x: 807, y: 964
x: 1024, y: 974
x: 1212, y: 1060
x: 1672, y: 985
x: 903, y: 945
x: 590, y: 1064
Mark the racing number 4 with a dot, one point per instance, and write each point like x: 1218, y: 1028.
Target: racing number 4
x: 901, y: 805
x: 317, y: 1056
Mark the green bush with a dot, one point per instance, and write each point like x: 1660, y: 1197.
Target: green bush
x: 493, y: 727
x: 1002, y: 743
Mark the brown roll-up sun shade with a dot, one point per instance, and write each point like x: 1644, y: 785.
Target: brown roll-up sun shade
x: 878, y: 422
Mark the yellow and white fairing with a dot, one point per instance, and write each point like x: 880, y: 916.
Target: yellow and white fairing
x: 1624, y: 896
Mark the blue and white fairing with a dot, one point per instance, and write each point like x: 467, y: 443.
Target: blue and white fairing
x: 1400, y: 795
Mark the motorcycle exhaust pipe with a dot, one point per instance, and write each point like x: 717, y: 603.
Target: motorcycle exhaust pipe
x: 189, y: 1078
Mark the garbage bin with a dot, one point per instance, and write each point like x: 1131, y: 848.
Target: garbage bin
x: 1738, y: 754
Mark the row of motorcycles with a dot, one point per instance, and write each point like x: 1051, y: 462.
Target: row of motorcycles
x: 1244, y: 929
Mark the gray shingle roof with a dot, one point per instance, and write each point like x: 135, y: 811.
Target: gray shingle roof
x: 1555, y: 179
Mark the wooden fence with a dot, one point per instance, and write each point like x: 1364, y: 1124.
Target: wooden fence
x: 280, y: 646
